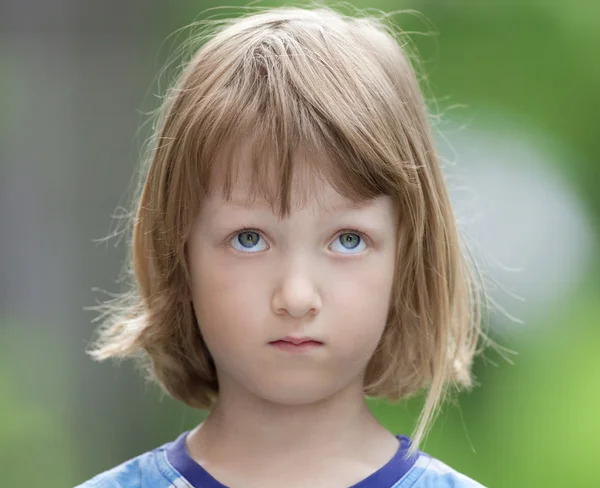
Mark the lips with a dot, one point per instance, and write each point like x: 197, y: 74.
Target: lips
x: 297, y: 340
x: 314, y: 343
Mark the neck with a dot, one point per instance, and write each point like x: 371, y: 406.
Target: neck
x: 242, y: 426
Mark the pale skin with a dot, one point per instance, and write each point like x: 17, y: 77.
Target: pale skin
x: 282, y: 419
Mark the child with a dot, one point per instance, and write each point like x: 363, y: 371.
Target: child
x: 295, y: 251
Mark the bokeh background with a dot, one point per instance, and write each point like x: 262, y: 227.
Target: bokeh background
x: 515, y: 87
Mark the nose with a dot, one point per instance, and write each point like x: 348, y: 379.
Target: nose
x: 296, y: 294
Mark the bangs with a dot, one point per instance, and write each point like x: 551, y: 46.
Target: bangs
x: 285, y: 177
x: 277, y: 112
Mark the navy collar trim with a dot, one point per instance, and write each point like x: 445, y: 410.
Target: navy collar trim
x: 198, y: 477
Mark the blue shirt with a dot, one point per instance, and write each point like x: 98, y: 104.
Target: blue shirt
x: 171, y: 466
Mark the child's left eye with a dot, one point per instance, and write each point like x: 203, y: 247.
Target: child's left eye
x: 350, y: 243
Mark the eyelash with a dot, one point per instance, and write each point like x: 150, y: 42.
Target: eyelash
x: 358, y: 232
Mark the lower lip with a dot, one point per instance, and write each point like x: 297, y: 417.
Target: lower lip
x: 302, y: 347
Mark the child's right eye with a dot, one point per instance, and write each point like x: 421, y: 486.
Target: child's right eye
x: 247, y: 241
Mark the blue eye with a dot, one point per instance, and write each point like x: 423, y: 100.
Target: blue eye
x: 247, y: 240
x: 351, y: 243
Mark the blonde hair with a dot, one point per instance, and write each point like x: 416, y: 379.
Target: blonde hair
x: 343, y: 89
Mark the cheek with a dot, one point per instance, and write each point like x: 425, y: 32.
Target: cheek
x: 227, y: 302
x: 361, y: 302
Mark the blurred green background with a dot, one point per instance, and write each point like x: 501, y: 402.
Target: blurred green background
x: 514, y: 90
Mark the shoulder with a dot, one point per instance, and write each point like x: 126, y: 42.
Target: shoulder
x: 147, y: 470
x: 429, y: 472
x: 128, y: 474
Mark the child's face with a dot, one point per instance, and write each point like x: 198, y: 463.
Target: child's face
x: 307, y: 275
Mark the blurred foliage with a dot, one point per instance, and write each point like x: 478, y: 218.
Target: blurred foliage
x: 528, y: 60
x: 35, y: 440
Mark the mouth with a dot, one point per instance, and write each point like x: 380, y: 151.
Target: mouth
x: 297, y: 340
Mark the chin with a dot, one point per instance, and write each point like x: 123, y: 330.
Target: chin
x: 296, y: 391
